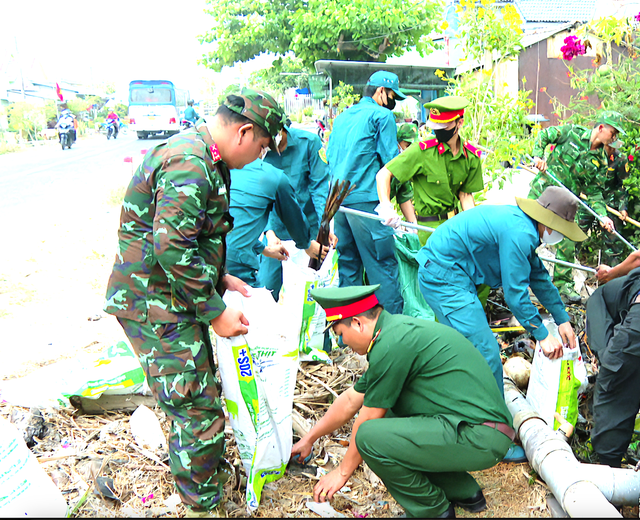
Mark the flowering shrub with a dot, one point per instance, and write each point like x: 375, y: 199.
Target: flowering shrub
x: 572, y: 47
x: 637, y: 17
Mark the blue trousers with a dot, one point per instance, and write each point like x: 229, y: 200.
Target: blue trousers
x: 270, y: 275
x: 452, y: 296
x: 365, y: 244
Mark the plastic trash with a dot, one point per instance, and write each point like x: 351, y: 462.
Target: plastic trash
x: 25, y: 488
x: 146, y: 429
x: 324, y: 509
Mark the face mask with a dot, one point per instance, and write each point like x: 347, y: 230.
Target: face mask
x: 552, y: 238
x: 443, y: 135
x: 391, y: 103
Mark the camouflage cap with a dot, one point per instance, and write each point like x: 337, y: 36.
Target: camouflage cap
x: 408, y: 132
x: 611, y: 118
x: 265, y: 111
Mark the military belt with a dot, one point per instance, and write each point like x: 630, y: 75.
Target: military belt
x: 435, y: 218
x: 502, y: 428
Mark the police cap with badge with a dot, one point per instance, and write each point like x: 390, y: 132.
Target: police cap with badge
x: 445, y: 109
x: 345, y: 302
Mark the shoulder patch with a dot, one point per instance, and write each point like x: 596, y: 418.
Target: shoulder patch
x: 430, y: 143
x: 472, y: 149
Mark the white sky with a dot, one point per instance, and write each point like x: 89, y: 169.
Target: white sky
x: 115, y: 41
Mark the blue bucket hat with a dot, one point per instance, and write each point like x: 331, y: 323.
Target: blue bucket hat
x: 386, y: 79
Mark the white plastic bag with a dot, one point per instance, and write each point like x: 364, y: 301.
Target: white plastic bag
x: 554, y: 384
x: 146, y: 429
x: 114, y: 371
x: 25, y: 489
x: 258, y: 372
x: 297, y: 280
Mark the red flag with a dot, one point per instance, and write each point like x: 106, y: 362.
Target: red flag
x: 59, y: 92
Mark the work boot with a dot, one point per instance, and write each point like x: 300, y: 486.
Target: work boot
x: 473, y: 504
x: 515, y: 454
x: 569, y: 295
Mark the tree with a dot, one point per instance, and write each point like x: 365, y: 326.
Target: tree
x: 367, y: 30
x: 271, y: 80
x: 231, y: 89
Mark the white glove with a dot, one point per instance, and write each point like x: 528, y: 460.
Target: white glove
x: 388, y: 213
x: 410, y: 230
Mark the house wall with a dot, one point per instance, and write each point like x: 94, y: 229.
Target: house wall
x: 543, y: 67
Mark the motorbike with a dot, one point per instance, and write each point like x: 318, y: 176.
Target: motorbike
x: 186, y: 124
x: 321, y: 128
x: 65, y: 135
x: 112, y: 131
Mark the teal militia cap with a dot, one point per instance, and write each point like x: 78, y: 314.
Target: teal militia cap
x: 345, y: 302
x: 445, y: 109
x: 386, y: 79
x: 262, y: 109
x: 408, y: 132
x: 611, y: 118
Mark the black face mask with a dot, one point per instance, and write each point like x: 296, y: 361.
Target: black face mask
x: 391, y: 103
x: 443, y: 135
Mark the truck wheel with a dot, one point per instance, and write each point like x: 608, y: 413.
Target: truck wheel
x: 142, y: 135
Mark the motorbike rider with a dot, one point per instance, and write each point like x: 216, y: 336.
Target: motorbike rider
x: 190, y: 113
x: 112, y: 117
x: 67, y: 120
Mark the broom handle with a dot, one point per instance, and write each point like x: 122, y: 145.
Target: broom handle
x: 373, y: 216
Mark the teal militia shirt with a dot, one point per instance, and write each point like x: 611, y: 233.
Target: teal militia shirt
x: 256, y: 190
x: 363, y: 140
x: 307, y: 173
x: 496, y: 246
x: 419, y: 367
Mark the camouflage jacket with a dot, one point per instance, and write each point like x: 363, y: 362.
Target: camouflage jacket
x: 573, y: 163
x: 616, y: 194
x: 171, y: 240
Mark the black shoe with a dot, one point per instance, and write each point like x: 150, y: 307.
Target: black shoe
x: 473, y: 504
x: 449, y: 513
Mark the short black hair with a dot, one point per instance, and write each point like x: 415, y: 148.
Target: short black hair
x: 231, y: 117
x: 369, y: 90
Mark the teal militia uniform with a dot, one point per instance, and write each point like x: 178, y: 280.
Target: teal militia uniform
x: 438, y: 391
x: 496, y: 246
x: 580, y: 169
x: 190, y: 114
x: 362, y: 141
x: 165, y: 289
x: 257, y: 190
x: 438, y: 177
x: 309, y: 176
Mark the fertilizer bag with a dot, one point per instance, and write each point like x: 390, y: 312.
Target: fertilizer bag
x: 407, y: 247
x: 258, y: 372
x: 554, y: 383
x: 297, y: 280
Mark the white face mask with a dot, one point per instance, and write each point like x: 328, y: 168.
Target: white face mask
x: 552, y: 238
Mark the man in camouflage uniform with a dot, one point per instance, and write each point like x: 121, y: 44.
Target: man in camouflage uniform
x: 169, y: 277
x: 616, y: 197
x: 578, y: 161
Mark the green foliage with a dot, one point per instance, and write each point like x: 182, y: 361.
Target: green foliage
x: 344, y: 97
x: 271, y: 80
x: 368, y: 30
x: 308, y: 111
x: 26, y: 119
x: 494, y: 120
x: 231, y: 89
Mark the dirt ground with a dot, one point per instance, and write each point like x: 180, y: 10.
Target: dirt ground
x: 51, y: 293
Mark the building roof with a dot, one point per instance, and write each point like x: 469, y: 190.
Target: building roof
x: 559, y: 11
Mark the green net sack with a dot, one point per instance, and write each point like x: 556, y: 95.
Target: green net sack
x: 407, y: 247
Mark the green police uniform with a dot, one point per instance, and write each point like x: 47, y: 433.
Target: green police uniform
x: 437, y: 175
x: 582, y: 170
x: 438, y: 391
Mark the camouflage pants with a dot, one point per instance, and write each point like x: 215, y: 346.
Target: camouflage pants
x: 177, y: 359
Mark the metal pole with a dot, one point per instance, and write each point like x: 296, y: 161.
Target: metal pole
x: 568, y: 264
x: 586, y: 206
x: 372, y: 216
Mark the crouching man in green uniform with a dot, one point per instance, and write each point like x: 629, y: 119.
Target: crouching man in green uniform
x: 428, y: 408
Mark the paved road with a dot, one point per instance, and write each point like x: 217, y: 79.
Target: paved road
x: 47, y: 178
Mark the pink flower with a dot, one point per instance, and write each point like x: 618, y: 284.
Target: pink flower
x: 148, y: 497
x: 631, y: 158
x: 637, y: 17
x: 572, y: 47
